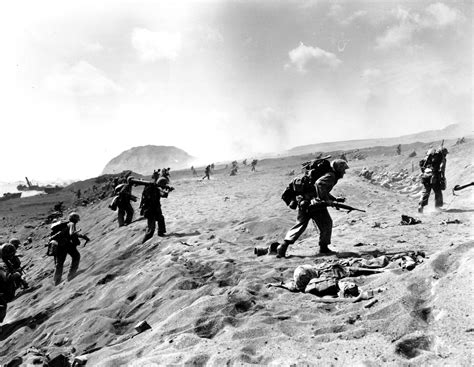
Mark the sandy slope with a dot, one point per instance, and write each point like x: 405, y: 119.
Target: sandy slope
x: 204, y: 292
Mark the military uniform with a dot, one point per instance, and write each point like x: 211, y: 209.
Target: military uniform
x: 433, y: 178
x: 307, y: 210
x: 319, y: 215
x: 124, y: 205
x: 151, y: 210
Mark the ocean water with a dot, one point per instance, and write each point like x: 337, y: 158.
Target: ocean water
x: 11, y: 187
x: 8, y: 187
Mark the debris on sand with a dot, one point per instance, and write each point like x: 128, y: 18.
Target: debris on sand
x: 448, y: 221
x: 407, y: 220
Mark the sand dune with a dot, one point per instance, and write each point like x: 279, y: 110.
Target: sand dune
x: 205, y: 294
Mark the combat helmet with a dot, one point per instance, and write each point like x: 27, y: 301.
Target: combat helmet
x: 8, y: 250
x: 339, y: 166
x: 15, y: 242
x: 74, y: 217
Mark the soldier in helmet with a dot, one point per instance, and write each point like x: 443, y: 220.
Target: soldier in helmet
x: 433, y: 168
x: 207, y: 172
x: 318, y: 214
x: 9, y: 279
x: 124, y: 206
x: 150, y: 206
x: 10, y: 276
x: 68, y: 240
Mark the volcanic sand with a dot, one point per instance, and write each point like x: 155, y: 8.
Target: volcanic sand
x: 205, y: 294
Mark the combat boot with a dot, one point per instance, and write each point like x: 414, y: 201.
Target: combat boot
x: 281, y: 249
x: 325, y: 250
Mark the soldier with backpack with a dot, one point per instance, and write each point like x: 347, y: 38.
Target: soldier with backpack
x: 316, y: 185
x: 433, y: 177
x: 124, y: 206
x: 64, y: 241
x: 150, y: 206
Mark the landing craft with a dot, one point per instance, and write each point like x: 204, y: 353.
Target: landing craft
x: 47, y: 189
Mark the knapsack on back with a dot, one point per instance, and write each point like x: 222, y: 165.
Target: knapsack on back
x: 60, y: 232
x: 317, y: 168
x: 304, y: 184
x: 432, y: 160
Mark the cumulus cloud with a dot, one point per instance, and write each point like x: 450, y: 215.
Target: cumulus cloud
x: 81, y: 79
x: 440, y: 15
x: 153, y: 46
x: 434, y: 16
x: 302, y: 56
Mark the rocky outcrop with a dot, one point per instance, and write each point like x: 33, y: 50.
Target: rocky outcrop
x: 145, y: 159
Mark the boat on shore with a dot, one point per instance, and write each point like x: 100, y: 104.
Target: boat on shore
x: 10, y: 195
x: 49, y: 189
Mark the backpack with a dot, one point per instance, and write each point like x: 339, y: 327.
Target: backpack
x: 60, y: 232
x: 304, y: 184
x: 433, y: 160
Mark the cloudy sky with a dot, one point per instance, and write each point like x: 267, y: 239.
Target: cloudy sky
x: 83, y: 81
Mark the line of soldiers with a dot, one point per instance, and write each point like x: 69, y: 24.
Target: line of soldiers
x: 150, y: 203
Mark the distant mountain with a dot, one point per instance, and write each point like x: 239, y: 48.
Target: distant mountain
x: 147, y: 158
x: 450, y: 132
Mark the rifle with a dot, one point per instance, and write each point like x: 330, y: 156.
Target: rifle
x: 460, y: 187
x: 20, y: 270
x: 338, y: 206
x: 334, y: 204
x: 84, y: 237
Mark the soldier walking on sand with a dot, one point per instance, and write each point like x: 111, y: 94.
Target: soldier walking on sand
x: 124, y: 206
x: 253, y: 164
x: 207, y: 172
x: 151, y: 207
x: 67, y: 241
x: 433, y: 168
x: 318, y: 213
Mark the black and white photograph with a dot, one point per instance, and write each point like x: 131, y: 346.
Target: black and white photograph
x: 236, y: 183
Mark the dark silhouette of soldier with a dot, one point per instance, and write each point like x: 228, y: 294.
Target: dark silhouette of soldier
x: 124, y: 205
x: 207, y: 172
x: 151, y: 207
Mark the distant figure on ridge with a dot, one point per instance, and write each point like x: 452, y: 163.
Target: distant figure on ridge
x: 433, y: 168
x: 151, y: 206
x: 319, y: 191
x: 193, y: 170
x: 253, y: 164
x: 399, y: 149
x: 234, y: 169
x: 124, y: 206
x: 67, y: 239
x: 207, y: 172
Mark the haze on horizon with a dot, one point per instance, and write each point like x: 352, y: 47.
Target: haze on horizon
x: 84, y: 81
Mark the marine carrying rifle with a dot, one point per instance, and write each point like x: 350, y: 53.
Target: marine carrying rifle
x: 334, y: 204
